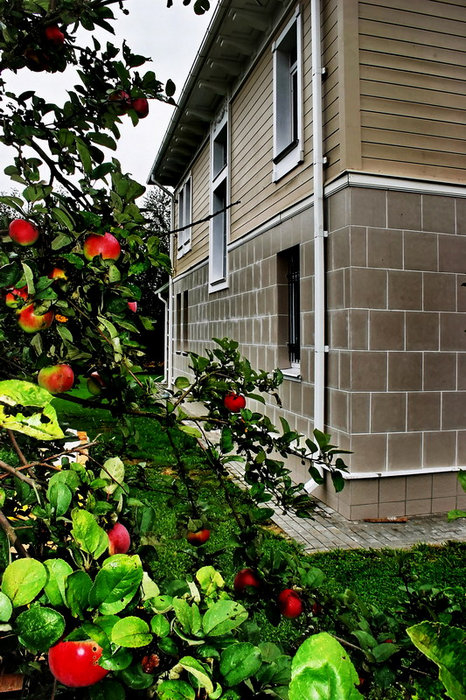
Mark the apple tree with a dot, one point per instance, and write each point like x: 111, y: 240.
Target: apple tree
x: 77, y: 247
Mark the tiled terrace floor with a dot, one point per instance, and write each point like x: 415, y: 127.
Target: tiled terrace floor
x: 330, y: 530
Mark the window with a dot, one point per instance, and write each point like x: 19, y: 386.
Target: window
x: 289, y: 309
x: 184, y: 217
x: 219, y: 203
x: 288, y: 109
x: 181, y: 322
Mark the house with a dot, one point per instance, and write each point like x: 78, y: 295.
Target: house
x: 331, y: 137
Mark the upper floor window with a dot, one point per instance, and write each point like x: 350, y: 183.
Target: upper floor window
x: 218, y: 262
x: 184, y: 217
x: 288, y: 98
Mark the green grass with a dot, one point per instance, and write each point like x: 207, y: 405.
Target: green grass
x: 373, y: 575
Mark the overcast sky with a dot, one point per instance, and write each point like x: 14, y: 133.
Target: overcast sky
x: 170, y: 37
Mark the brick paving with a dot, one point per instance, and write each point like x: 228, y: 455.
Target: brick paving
x: 329, y: 530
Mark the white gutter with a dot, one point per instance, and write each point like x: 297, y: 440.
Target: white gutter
x: 319, y: 233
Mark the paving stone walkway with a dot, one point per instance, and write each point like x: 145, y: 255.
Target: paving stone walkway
x: 329, y: 530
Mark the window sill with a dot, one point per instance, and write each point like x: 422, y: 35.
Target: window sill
x: 292, y: 373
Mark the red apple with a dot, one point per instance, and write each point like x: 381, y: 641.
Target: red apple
x: 75, y: 664
x: 57, y: 274
x: 95, y: 384
x: 245, y: 578
x: 140, y: 106
x: 31, y: 322
x: 121, y: 100
x: 289, y: 603
x: 119, y: 539
x: 107, y: 246
x: 234, y: 402
x: 54, y: 36
x: 14, y: 296
x: 56, y: 379
x: 23, y: 232
x: 198, y: 538
x: 133, y: 306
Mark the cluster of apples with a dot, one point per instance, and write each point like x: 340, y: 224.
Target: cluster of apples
x: 289, y: 602
x: 26, y: 233
x: 38, y: 59
x: 123, y: 102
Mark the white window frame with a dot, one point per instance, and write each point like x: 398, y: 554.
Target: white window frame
x: 185, y: 216
x: 219, y: 198
x: 288, y: 98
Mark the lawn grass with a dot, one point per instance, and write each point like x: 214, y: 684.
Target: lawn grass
x: 375, y: 576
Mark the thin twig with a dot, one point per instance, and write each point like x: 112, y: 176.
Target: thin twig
x: 7, y: 468
x: 12, y: 536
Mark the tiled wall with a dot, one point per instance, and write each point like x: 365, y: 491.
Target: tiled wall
x: 396, y: 318
x: 396, y: 322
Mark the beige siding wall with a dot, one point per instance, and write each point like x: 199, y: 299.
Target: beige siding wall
x: 252, y: 147
x: 413, y: 88
x: 200, y: 174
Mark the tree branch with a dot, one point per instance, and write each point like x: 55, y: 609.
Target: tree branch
x: 12, y: 536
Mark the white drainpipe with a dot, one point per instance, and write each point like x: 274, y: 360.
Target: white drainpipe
x: 319, y: 233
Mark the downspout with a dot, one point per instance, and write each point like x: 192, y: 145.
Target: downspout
x: 319, y: 233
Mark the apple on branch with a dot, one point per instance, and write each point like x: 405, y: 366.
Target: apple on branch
x: 119, y: 539
x: 75, y: 664
x: 107, y: 246
x: 23, y: 232
x: 15, y: 297
x: 30, y: 322
x: 95, y: 384
x: 289, y: 603
x: 54, y: 36
x: 234, y: 402
x: 133, y: 306
x: 246, y: 579
x: 56, y: 379
x: 198, y: 538
x: 140, y: 106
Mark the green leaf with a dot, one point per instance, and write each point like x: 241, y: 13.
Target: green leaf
x: 199, y: 671
x: 39, y: 628
x: 88, y: 535
x: 102, y: 139
x: 322, y: 670
x: 58, y: 571
x: 78, y: 586
x: 23, y: 580
x: 107, y: 689
x: 63, y: 218
x: 116, y: 660
x: 182, y: 383
x: 455, y: 514
x: 10, y: 274
x: 190, y: 430
x: 445, y: 646
x: 222, y: 617
x: 338, y: 481
x: 135, y: 678
x: 462, y: 478
x: 60, y: 498
x: 6, y: 608
x: 61, y: 241
x: 210, y: 580
x: 84, y: 155
x: 176, y: 690
x: 187, y: 615
x: 239, y: 661
x: 116, y: 583
x: 17, y: 398
x: 114, y: 469
x: 132, y: 632
x: 384, y: 651
x: 160, y: 626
